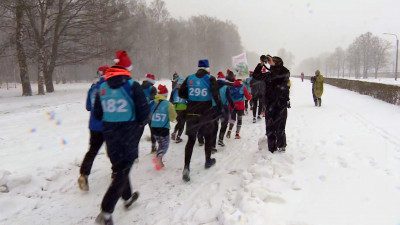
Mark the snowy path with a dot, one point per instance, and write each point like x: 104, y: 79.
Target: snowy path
x: 342, y: 166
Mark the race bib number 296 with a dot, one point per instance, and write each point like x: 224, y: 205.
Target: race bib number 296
x: 198, y: 92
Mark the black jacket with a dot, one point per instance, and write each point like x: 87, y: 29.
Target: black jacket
x: 146, y: 84
x: 257, y: 88
x: 277, y: 85
x: 201, y: 108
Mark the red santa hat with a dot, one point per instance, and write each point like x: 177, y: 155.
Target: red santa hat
x: 221, y: 76
x: 122, y: 60
x: 150, y: 78
x: 162, y: 90
x: 102, y: 70
x: 227, y: 71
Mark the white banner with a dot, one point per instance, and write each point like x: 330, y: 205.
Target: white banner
x: 239, y: 62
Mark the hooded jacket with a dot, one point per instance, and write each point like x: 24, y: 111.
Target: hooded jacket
x: 318, y: 86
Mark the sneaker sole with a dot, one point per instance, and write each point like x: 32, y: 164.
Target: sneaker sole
x: 82, y: 184
x: 133, y: 199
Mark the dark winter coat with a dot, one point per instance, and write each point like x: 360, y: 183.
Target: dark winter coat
x: 201, y: 108
x: 94, y: 124
x: 257, y: 88
x: 145, y: 85
x: 277, y: 85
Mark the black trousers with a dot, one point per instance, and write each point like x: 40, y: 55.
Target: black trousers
x: 181, y: 117
x: 314, y: 97
x: 239, y: 114
x: 215, y: 133
x: 122, y: 149
x: 257, y: 103
x: 199, y: 124
x: 275, y: 123
x: 224, y: 122
x: 95, y: 142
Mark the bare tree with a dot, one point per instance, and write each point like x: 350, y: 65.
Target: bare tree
x: 338, y: 60
x: 379, y: 53
x: 354, y: 59
x: 14, y: 11
x: 74, y: 25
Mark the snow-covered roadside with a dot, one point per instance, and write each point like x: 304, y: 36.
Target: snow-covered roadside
x: 390, y: 81
x: 342, y: 166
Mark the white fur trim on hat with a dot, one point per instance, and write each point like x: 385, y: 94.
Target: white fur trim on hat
x: 116, y: 60
x: 130, y: 68
x: 205, y: 68
x: 151, y: 80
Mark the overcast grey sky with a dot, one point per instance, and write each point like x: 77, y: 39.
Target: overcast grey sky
x: 304, y: 27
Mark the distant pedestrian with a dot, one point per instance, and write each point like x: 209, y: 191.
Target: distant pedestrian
x: 302, y: 76
x: 318, y: 87
x: 312, y: 89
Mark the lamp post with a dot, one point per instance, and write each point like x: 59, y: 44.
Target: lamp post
x: 397, y: 53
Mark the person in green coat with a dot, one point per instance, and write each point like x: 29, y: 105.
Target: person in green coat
x: 318, y: 86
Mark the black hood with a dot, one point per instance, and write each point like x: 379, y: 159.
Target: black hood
x: 201, y: 73
x: 146, y: 84
x: 117, y: 82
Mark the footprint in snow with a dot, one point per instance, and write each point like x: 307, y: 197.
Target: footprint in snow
x: 342, y: 162
x: 295, y: 186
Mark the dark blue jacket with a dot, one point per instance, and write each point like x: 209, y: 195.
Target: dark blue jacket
x: 94, y: 124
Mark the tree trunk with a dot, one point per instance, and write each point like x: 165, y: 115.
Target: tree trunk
x: 21, y: 56
x: 50, y: 69
x: 41, y: 68
x: 48, y: 77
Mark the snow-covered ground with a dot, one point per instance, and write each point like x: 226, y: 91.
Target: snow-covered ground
x: 390, y: 81
x: 342, y: 166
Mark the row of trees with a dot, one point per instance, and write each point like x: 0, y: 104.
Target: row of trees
x: 72, y: 38
x: 366, y: 54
